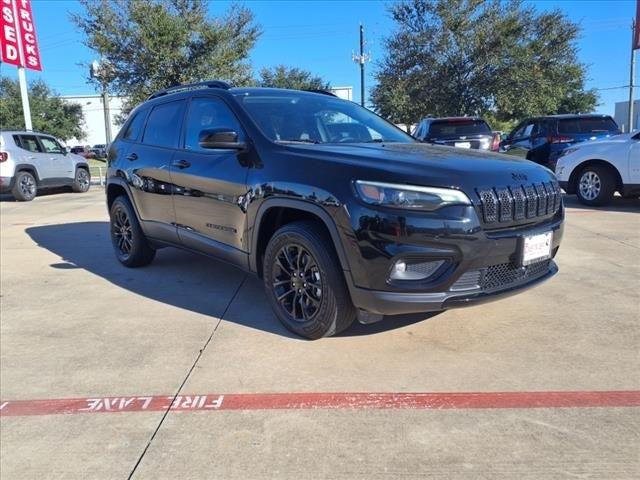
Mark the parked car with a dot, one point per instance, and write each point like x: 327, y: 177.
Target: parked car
x: 83, y: 151
x: 337, y: 223
x: 542, y: 139
x: 461, y: 132
x: 100, y: 150
x: 30, y: 161
x: 594, y: 171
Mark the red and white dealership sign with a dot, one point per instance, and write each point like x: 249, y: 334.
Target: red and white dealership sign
x: 18, y: 43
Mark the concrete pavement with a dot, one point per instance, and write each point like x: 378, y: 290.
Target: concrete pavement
x: 77, y: 324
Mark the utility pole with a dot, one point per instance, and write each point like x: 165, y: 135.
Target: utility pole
x: 632, y: 76
x: 99, y: 71
x: 361, y: 59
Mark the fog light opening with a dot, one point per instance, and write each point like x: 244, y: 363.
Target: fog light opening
x: 402, y: 270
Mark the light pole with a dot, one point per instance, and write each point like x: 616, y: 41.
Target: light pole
x: 99, y: 71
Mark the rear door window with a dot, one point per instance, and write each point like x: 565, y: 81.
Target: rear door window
x: 164, y: 125
x: 456, y: 128
x: 29, y: 143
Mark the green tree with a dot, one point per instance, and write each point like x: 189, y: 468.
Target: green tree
x: 502, y: 59
x: 154, y: 44
x: 295, y: 78
x: 49, y: 112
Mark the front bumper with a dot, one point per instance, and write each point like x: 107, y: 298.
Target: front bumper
x: 478, y: 264
x: 394, y: 303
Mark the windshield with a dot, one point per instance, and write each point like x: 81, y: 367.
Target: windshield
x: 290, y: 116
x: 455, y: 128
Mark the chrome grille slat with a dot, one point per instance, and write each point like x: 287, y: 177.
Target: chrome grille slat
x: 517, y: 202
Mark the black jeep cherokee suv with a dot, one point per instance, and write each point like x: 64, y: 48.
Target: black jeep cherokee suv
x: 339, y: 212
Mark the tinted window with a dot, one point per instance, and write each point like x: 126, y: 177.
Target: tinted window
x: 587, y: 125
x: 163, y: 125
x: 456, y: 128
x: 135, y: 127
x: 50, y: 145
x: 207, y: 113
x: 30, y: 143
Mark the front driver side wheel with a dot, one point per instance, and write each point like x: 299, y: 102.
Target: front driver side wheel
x: 304, y: 282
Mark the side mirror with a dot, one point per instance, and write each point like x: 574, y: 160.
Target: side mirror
x: 220, y: 138
x: 66, y: 150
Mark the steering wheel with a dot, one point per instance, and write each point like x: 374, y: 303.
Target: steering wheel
x: 346, y: 140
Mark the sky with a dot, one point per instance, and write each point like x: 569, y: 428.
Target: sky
x: 320, y: 36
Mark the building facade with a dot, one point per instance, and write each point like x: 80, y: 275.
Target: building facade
x: 93, y: 110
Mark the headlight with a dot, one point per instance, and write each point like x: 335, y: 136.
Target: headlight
x: 567, y: 151
x: 409, y: 196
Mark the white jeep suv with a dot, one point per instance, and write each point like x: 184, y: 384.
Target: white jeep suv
x: 594, y: 171
x: 31, y: 160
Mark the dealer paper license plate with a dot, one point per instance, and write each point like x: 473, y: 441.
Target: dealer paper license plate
x: 463, y: 144
x: 537, y: 248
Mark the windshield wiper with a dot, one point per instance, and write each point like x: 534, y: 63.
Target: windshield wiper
x: 298, y: 140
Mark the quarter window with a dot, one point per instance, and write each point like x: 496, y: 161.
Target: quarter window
x: 208, y: 113
x: 135, y: 127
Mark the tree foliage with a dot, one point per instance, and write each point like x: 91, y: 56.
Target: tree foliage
x: 149, y: 45
x: 497, y: 58
x: 49, y: 112
x: 295, y: 78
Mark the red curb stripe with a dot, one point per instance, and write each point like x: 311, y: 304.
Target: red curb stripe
x: 307, y: 401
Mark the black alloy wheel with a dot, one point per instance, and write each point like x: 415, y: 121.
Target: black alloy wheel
x: 129, y: 242
x: 305, y: 282
x: 297, y: 282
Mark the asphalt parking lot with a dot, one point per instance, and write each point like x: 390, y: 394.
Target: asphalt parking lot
x: 77, y: 325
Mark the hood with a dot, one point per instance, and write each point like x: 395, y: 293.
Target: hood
x: 433, y: 165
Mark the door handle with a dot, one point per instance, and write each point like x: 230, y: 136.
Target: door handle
x: 180, y: 164
x: 132, y: 156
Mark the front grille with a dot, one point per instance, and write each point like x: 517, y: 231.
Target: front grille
x: 506, y: 204
x: 499, y: 277
x: 507, y: 274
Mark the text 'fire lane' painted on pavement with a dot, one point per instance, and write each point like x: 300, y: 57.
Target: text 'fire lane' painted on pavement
x: 308, y: 401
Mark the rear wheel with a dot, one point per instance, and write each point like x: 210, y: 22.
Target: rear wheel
x: 129, y: 242
x: 596, y: 185
x: 82, y: 182
x: 24, y: 187
x: 305, y: 283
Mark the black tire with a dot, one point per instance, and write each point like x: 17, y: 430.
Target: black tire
x: 129, y: 242
x: 595, y: 185
x: 300, y: 258
x: 25, y: 187
x: 82, y: 181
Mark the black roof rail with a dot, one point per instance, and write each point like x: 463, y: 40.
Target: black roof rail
x: 323, y: 92
x: 191, y: 86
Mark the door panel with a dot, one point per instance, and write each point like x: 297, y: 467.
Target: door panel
x: 62, y: 165
x: 33, y: 154
x: 634, y: 161
x: 210, y: 184
x: 147, y: 163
